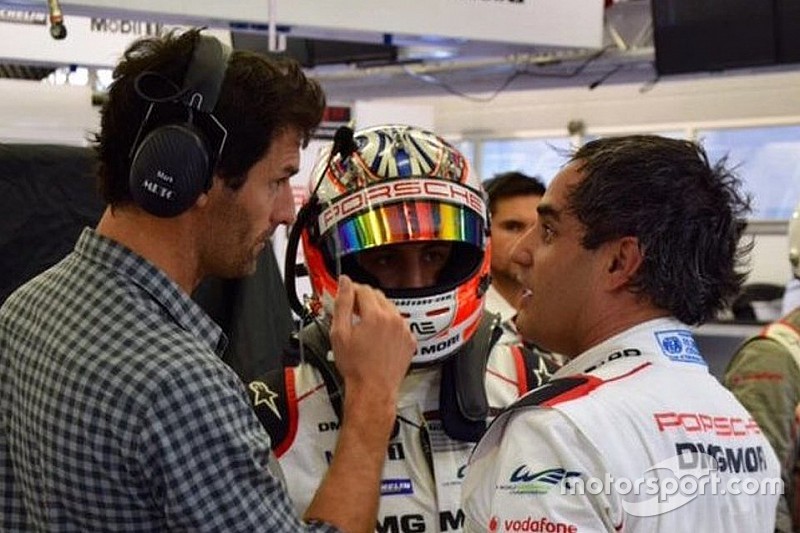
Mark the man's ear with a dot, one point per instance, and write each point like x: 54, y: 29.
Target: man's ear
x: 625, y: 257
x: 202, y: 200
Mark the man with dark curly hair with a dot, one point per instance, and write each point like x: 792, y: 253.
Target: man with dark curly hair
x: 638, y: 238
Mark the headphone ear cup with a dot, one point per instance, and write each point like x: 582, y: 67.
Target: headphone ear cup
x: 170, y: 169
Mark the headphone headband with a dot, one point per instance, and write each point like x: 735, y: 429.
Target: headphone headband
x: 203, y: 79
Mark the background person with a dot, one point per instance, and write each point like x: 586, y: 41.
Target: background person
x: 400, y: 210
x: 791, y: 296
x: 513, y: 197
x: 637, y: 238
x: 116, y: 411
x: 764, y: 375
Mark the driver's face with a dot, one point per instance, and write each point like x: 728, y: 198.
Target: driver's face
x: 406, y: 266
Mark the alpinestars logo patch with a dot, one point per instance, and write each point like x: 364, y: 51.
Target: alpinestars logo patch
x: 263, y: 395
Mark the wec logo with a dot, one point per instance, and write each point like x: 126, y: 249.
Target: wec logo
x: 525, y: 482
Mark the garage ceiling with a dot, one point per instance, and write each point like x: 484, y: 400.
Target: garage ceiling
x: 431, y: 65
x: 479, y: 70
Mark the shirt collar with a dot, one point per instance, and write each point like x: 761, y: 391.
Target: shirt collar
x: 497, y: 304
x: 657, y: 341
x: 180, y: 307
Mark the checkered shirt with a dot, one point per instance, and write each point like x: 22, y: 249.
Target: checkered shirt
x: 116, y: 412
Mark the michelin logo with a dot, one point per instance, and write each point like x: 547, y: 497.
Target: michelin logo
x: 394, y: 487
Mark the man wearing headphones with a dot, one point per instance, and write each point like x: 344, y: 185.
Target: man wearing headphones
x: 764, y: 375
x: 398, y: 208
x: 116, y: 412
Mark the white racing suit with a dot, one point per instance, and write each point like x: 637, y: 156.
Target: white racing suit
x: 424, y: 469
x: 637, y: 409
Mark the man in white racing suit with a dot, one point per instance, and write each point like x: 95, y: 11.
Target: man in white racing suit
x: 397, y: 208
x: 637, y: 236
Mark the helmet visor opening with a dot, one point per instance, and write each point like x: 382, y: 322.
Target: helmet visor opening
x: 405, y: 222
x: 464, y: 259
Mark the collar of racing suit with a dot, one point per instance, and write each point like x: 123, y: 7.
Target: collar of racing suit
x: 657, y: 341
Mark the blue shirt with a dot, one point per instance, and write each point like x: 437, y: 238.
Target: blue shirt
x: 117, y: 413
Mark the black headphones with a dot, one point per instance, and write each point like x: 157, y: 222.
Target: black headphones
x: 180, y: 140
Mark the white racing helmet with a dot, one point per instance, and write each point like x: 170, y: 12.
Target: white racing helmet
x: 398, y: 184
x: 794, y: 242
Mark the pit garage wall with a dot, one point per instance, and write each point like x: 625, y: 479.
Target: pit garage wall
x: 669, y: 104
x: 34, y: 112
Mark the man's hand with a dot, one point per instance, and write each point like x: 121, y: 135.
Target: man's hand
x: 372, y: 342
x: 373, y: 347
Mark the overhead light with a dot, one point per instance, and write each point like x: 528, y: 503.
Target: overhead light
x: 422, y: 53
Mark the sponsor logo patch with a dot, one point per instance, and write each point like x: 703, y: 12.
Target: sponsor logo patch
x: 723, y: 426
x: 679, y: 346
x: 263, y: 395
x: 393, y: 487
x: 523, y: 481
x: 533, y: 524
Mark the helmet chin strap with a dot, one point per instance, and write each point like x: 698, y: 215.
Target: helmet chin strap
x: 463, y: 404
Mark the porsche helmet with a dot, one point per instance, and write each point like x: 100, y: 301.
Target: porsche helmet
x: 398, y: 184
